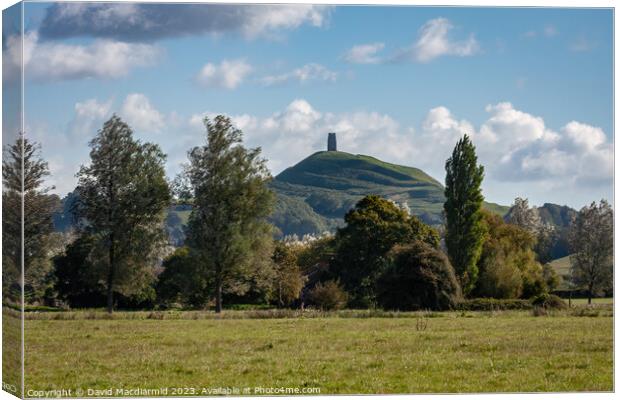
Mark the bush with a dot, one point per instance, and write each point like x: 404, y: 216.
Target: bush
x: 488, y: 304
x: 328, y: 296
x: 549, y: 301
x: 418, y: 277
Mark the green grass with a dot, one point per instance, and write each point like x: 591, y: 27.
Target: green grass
x: 11, y: 351
x: 457, y: 352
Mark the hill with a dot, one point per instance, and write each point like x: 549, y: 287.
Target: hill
x: 314, y: 195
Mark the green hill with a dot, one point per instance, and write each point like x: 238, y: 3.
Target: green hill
x: 314, y: 195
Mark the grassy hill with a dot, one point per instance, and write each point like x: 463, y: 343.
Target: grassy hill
x: 314, y: 195
x: 562, y: 268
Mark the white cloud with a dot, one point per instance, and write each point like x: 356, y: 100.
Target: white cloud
x: 305, y: 74
x: 581, y: 44
x: 89, y: 115
x: 141, y: 115
x: 433, y: 41
x: 516, y: 146
x: 364, y: 53
x: 50, y: 61
x: 294, y: 133
x: 229, y: 74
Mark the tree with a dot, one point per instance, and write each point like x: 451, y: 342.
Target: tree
x: 181, y: 282
x: 328, y: 295
x: 465, y: 229
x: 289, y: 280
x: 23, y: 175
x: 123, y: 194
x: 507, y: 265
x: 419, y: 277
x: 372, y: 228
x: 528, y: 218
x: 227, y: 225
x: 591, y: 243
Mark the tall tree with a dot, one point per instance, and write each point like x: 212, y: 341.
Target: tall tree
x: 231, y: 202
x: 23, y: 175
x: 592, y: 246
x: 123, y: 194
x: 465, y: 228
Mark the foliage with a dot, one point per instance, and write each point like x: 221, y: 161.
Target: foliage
x: 551, y: 277
x: 549, y: 301
x: 490, y: 304
x: 22, y: 159
x: 419, y: 277
x: 508, y: 266
x: 180, y: 282
x: 227, y: 225
x: 465, y: 229
x: 592, y: 246
x: 373, y: 227
x: 328, y: 296
x: 521, y: 215
x: 123, y: 194
x: 289, y: 280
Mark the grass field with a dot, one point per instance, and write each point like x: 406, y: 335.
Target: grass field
x: 457, y: 352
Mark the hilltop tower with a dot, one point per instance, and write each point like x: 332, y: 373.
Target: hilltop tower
x: 331, y: 142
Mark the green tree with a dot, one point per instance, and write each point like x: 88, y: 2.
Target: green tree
x: 23, y: 175
x: 419, y: 277
x: 465, y: 229
x: 181, y: 282
x: 231, y: 201
x: 372, y: 228
x: 123, y: 194
x: 507, y: 265
x: 592, y: 246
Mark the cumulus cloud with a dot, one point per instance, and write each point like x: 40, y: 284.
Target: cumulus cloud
x: 364, y: 53
x: 517, y: 146
x: 89, y: 116
x: 229, y: 74
x: 434, y: 41
x: 289, y: 135
x: 140, y: 114
x: 50, y: 61
x: 305, y: 74
x: 146, y: 22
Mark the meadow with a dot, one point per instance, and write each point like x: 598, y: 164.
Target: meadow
x: 337, y: 352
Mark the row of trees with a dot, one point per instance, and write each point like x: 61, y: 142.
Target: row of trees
x: 381, y: 257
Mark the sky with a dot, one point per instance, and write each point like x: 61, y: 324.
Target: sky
x: 532, y: 87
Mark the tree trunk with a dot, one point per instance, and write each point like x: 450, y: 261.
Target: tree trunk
x: 111, y: 277
x: 589, y: 294
x: 218, y: 297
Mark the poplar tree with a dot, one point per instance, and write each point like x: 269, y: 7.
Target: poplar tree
x: 123, y: 194
x: 231, y: 202
x: 465, y: 229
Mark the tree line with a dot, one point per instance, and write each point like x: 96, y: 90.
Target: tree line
x: 120, y: 256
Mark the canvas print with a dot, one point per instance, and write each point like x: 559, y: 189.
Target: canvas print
x: 295, y: 199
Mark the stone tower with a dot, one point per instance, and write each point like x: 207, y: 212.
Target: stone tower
x: 331, y: 142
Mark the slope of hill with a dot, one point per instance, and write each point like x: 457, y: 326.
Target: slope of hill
x: 314, y: 195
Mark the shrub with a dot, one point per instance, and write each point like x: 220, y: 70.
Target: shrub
x: 488, y: 304
x: 418, y: 276
x: 549, y: 301
x: 328, y: 296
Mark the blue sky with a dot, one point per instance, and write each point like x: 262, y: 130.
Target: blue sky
x: 532, y: 86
